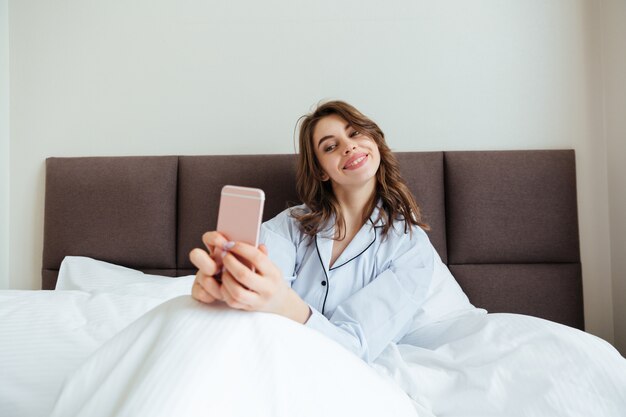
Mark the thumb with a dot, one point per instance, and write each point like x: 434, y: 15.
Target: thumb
x: 263, y: 249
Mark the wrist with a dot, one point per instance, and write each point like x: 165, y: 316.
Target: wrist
x: 295, y: 308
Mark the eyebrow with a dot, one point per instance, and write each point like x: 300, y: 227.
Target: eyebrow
x: 330, y: 136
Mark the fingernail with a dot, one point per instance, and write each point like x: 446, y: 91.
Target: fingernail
x: 224, y: 253
x: 228, y: 245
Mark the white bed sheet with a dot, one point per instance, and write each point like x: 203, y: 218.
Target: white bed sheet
x: 188, y: 359
x: 46, y: 335
x: 507, y: 365
x: 170, y: 363
x: 468, y: 364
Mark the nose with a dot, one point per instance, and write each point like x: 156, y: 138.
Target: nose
x: 350, y: 146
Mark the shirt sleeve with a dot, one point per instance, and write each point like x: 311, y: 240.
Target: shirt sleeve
x: 276, y: 235
x: 379, y: 313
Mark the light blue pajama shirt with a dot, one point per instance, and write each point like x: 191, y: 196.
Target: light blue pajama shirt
x: 368, y: 298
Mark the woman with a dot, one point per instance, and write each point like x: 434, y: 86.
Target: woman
x: 352, y: 262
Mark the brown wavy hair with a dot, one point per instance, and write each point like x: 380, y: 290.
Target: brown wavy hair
x: 397, y: 201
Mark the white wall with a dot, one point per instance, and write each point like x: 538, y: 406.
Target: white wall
x: 592, y: 177
x: 615, y: 123
x: 193, y: 77
x: 4, y: 144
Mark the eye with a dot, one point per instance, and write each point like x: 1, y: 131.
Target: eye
x: 355, y: 133
x: 330, y: 148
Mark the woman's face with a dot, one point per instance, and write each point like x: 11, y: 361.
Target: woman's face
x: 349, y: 158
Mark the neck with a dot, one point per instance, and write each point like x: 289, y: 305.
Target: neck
x: 354, y: 202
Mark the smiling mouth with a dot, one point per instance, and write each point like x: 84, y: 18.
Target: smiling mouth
x: 356, y: 162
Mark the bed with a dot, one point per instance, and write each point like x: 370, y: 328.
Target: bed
x: 118, y: 230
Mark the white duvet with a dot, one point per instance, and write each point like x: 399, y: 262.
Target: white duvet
x: 81, y: 351
x: 482, y: 365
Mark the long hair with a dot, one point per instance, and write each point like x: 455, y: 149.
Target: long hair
x: 397, y: 201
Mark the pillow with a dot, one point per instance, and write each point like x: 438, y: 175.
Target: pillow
x: 87, y: 274
x: 46, y: 335
x: 445, y: 298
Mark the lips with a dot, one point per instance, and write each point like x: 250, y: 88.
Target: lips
x: 356, y: 161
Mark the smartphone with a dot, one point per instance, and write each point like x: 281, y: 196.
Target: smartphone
x: 240, y: 214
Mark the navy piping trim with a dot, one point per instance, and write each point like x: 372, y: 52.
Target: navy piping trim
x: 361, y: 253
x: 325, y: 274
x: 335, y: 267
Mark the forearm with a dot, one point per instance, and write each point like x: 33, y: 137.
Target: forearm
x: 295, y: 308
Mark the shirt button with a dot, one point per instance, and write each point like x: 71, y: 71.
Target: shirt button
x: 323, y: 283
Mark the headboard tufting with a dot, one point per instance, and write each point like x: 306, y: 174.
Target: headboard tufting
x: 505, y: 222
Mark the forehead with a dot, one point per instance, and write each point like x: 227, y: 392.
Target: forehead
x: 328, y: 125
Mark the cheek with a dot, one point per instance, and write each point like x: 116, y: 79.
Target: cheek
x: 375, y: 152
x: 376, y: 158
x: 371, y: 143
x: 377, y: 161
x: 318, y: 157
x: 322, y: 163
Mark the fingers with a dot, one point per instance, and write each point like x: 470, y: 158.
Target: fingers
x: 236, y: 295
x: 200, y: 294
x: 203, y: 262
x: 255, y: 256
x: 245, y: 277
x: 205, y: 287
x: 244, y: 271
x: 253, y: 290
x: 214, y: 241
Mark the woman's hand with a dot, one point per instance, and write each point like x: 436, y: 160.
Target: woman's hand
x: 205, y: 287
x: 260, y: 290
x: 240, y: 287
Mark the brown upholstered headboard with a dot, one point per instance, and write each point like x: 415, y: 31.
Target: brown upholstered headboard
x: 505, y: 222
